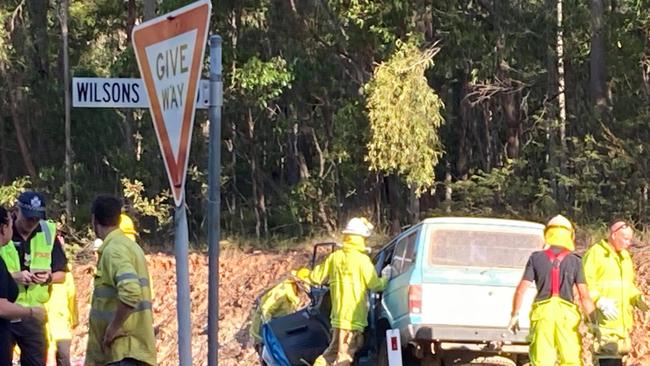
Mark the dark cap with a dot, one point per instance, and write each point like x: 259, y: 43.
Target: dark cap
x: 31, y: 205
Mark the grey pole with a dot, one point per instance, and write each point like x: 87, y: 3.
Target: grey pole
x: 214, y: 198
x: 181, y: 244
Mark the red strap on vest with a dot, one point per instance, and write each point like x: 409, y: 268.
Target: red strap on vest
x: 555, y: 271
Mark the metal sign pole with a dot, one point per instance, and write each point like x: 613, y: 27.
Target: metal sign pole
x: 181, y: 241
x: 214, y: 198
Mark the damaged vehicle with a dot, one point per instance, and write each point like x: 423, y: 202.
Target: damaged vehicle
x: 449, y: 297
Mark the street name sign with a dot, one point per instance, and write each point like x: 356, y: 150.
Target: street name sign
x: 91, y: 92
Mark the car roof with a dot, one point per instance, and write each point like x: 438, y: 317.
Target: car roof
x: 483, y: 221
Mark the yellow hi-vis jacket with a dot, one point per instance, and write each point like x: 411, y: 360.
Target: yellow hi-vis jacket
x: 62, y: 310
x: 40, y: 250
x: 121, y: 276
x: 350, y: 274
x: 280, y: 300
x: 610, y: 274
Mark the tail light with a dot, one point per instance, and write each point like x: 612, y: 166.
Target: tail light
x: 415, y: 299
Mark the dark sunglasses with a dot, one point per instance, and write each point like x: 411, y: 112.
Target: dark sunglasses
x: 624, y: 226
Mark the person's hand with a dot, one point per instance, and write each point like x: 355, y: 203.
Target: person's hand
x: 594, y: 329
x: 23, y: 277
x: 607, y: 307
x: 41, y: 277
x: 640, y: 303
x: 513, y: 325
x: 110, y: 335
x: 38, y: 313
x: 387, y: 272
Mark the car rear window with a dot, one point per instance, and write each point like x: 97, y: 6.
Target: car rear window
x: 482, y: 247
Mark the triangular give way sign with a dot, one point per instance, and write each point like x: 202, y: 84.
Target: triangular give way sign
x: 170, y: 50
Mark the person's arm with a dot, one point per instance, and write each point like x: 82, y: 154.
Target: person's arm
x: 374, y: 282
x: 518, y: 298
x: 113, y: 330
x: 319, y: 274
x: 11, y: 311
x: 590, y: 269
x: 273, y: 302
x: 59, y: 262
x: 588, y: 305
x: 129, y: 291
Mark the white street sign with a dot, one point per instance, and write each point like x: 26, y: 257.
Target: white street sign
x: 121, y: 93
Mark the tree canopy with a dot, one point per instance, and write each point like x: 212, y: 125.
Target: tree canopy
x: 390, y: 109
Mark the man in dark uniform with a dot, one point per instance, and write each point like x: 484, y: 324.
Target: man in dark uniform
x: 554, y: 318
x: 35, y: 261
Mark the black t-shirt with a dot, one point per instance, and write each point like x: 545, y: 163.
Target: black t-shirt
x: 59, y: 260
x: 9, y: 291
x: 538, y: 270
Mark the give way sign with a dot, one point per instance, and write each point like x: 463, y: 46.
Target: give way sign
x: 170, y: 50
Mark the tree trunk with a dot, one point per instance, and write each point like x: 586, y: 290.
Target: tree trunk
x: 448, y: 189
x: 4, y: 163
x: 37, y: 10
x: 392, y: 192
x: 561, y: 96
x: 414, y: 207
x: 66, y: 97
x: 464, y: 115
x: 129, y: 118
x: 598, y: 81
x: 259, y: 199
x: 15, y: 103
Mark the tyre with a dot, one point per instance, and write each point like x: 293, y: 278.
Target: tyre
x: 382, y: 355
x: 491, y: 361
x: 430, y: 360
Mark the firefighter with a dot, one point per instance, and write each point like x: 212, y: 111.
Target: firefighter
x: 610, y: 275
x: 120, y: 330
x: 350, y: 274
x: 554, y: 319
x: 280, y: 300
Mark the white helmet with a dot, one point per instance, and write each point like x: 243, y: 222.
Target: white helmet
x: 560, y: 221
x: 358, y: 226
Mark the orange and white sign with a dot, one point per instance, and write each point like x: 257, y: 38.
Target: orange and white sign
x: 170, y: 50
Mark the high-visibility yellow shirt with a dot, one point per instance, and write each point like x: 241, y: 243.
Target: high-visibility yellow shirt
x: 121, y: 276
x: 350, y: 274
x: 280, y: 300
x: 611, y: 274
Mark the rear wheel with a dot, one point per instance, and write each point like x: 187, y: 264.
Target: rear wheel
x: 491, y: 361
x: 430, y: 360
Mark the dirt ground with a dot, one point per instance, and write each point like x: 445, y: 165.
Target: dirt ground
x: 243, y: 276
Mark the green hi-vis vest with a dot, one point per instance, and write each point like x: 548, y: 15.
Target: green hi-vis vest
x: 41, y: 260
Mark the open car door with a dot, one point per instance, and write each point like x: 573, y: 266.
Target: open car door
x: 299, y: 338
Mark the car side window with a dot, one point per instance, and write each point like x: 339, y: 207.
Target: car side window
x: 404, y: 253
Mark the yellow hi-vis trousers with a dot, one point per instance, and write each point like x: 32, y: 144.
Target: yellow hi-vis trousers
x: 554, y: 335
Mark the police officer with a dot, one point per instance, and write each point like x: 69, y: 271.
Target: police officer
x: 554, y: 318
x: 36, y: 260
